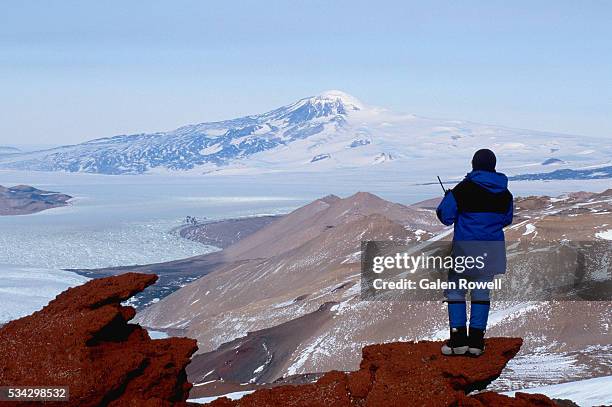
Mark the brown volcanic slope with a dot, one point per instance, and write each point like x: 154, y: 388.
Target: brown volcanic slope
x: 403, y: 374
x: 568, y: 339
x: 268, y: 347
x: 283, y: 234
x: 82, y: 340
x: 253, y: 294
x: 577, y: 216
x: 295, y: 228
x: 24, y: 199
x: 262, y: 295
x: 308, y: 222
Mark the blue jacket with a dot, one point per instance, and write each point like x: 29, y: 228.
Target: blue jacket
x: 480, y: 206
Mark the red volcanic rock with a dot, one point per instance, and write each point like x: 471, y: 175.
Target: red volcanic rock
x: 83, y: 340
x: 403, y: 374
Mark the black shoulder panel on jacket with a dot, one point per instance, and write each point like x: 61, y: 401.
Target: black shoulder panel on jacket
x: 472, y: 197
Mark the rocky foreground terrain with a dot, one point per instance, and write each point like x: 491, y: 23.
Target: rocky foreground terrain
x: 24, y: 199
x: 286, y: 300
x: 83, y: 340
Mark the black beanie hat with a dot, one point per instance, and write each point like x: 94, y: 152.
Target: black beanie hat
x: 484, y: 160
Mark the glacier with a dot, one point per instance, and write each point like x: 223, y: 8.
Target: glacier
x: 120, y: 221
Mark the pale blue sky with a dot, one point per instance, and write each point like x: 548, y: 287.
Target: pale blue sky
x: 77, y: 70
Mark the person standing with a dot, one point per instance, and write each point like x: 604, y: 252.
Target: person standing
x: 480, y: 206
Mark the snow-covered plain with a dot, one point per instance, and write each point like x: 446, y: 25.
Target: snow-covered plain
x: 24, y: 290
x: 116, y: 221
x: 585, y: 393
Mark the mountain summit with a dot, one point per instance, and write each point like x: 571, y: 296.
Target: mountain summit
x: 342, y: 97
x: 330, y: 104
x: 332, y: 130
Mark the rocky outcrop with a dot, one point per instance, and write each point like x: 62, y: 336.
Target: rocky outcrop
x: 83, y: 340
x: 403, y: 374
x: 24, y: 199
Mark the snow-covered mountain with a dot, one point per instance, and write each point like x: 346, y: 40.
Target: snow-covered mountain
x: 330, y: 131
x: 8, y: 150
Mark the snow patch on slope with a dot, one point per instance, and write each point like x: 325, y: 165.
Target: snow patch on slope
x: 586, y: 393
x: 606, y: 234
